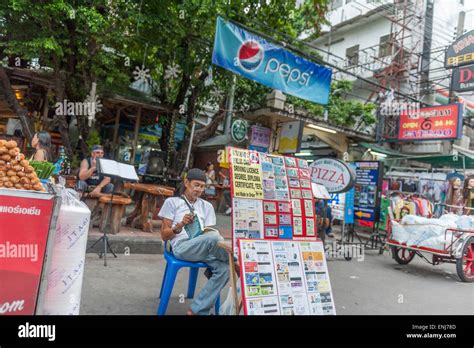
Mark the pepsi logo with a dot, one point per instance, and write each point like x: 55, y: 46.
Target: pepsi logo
x: 250, y: 55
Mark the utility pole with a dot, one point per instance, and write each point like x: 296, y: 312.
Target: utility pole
x: 426, y: 56
x: 230, y: 105
x: 459, y: 32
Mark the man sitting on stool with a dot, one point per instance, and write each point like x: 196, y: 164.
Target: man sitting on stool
x: 88, y: 175
x: 176, y: 214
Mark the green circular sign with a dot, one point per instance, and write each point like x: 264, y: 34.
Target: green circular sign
x: 238, y: 130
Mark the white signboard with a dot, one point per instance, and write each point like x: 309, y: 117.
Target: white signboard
x: 333, y: 174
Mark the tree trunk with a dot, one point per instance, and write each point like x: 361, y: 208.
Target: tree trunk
x: 26, y: 124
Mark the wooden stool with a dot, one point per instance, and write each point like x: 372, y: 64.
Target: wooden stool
x: 118, y: 208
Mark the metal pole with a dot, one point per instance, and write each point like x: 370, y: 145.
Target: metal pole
x: 230, y: 105
x: 190, y: 145
x: 459, y: 31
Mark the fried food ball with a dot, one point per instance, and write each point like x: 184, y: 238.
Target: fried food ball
x: 29, y: 169
x: 25, y: 180
x: 2, y: 173
x: 14, y: 152
x: 2, y: 142
x: 8, y: 184
x: 18, y: 186
x: 38, y: 187
x: 6, y: 157
x: 35, y: 181
x: 5, y: 178
x: 24, y: 163
x: 11, y: 173
x: 15, y: 179
x: 3, y: 150
x: 27, y: 186
x: 31, y: 175
x: 21, y: 174
x: 17, y: 168
x: 11, y: 144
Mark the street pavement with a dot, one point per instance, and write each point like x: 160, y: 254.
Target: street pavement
x: 130, y: 285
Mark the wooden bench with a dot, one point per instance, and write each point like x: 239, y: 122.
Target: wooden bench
x: 119, y: 202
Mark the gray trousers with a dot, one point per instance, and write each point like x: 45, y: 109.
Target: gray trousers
x: 204, y: 249
x: 83, y: 186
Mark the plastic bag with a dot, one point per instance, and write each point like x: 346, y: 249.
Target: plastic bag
x: 228, y: 306
x: 66, y: 271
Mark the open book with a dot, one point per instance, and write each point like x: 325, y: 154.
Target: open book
x: 115, y: 169
x: 193, y: 230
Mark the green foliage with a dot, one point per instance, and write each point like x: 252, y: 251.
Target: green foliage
x: 341, y: 111
x: 93, y: 139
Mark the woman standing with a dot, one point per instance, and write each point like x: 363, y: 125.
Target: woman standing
x: 210, y: 180
x: 42, y: 144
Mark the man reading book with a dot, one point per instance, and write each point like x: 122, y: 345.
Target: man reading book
x: 186, y: 220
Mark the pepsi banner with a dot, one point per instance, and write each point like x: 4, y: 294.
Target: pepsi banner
x: 253, y: 57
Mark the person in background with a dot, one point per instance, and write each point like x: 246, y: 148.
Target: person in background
x: 177, y: 213
x: 41, y: 142
x: 210, y: 180
x: 224, y: 177
x: 323, y: 210
x: 88, y: 175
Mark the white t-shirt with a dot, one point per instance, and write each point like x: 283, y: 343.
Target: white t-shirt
x: 175, y: 208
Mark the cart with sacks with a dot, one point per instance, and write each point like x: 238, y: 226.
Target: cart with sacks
x: 449, y: 239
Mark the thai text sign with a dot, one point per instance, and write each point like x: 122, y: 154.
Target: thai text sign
x: 433, y: 123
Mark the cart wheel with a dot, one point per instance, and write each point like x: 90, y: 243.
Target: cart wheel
x: 465, y: 264
x: 401, y: 255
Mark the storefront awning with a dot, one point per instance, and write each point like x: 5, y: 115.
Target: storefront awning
x: 460, y: 161
x: 382, y: 150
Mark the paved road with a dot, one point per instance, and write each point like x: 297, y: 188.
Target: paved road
x: 377, y: 285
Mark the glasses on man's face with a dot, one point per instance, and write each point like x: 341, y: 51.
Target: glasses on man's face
x: 98, y: 153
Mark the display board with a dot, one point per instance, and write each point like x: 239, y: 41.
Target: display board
x: 271, y: 197
x: 23, y: 248
x: 284, y: 278
x: 367, y: 193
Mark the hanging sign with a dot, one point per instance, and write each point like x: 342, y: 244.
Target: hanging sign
x: 463, y: 79
x: 251, y: 56
x: 333, y: 174
x: 238, y: 130
x: 433, y: 123
x: 461, y: 52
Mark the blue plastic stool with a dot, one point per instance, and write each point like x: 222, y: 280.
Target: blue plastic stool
x: 173, y: 265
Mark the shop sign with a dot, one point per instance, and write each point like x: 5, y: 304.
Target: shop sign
x: 461, y: 52
x: 433, y: 123
x: 333, y: 174
x: 463, y: 79
x: 238, y: 130
x: 22, y: 251
x: 251, y: 56
x: 260, y: 136
x: 367, y: 193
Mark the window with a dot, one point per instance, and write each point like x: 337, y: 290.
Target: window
x: 385, y: 46
x: 352, y: 55
x: 335, y: 4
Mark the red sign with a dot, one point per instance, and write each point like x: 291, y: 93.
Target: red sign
x: 433, y: 123
x: 24, y: 229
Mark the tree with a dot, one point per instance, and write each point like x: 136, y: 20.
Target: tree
x: 68, y: 38
x: 341, y: 111
x: 180, y: 35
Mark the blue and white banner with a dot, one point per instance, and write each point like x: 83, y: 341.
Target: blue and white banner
x: 251, y: 56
